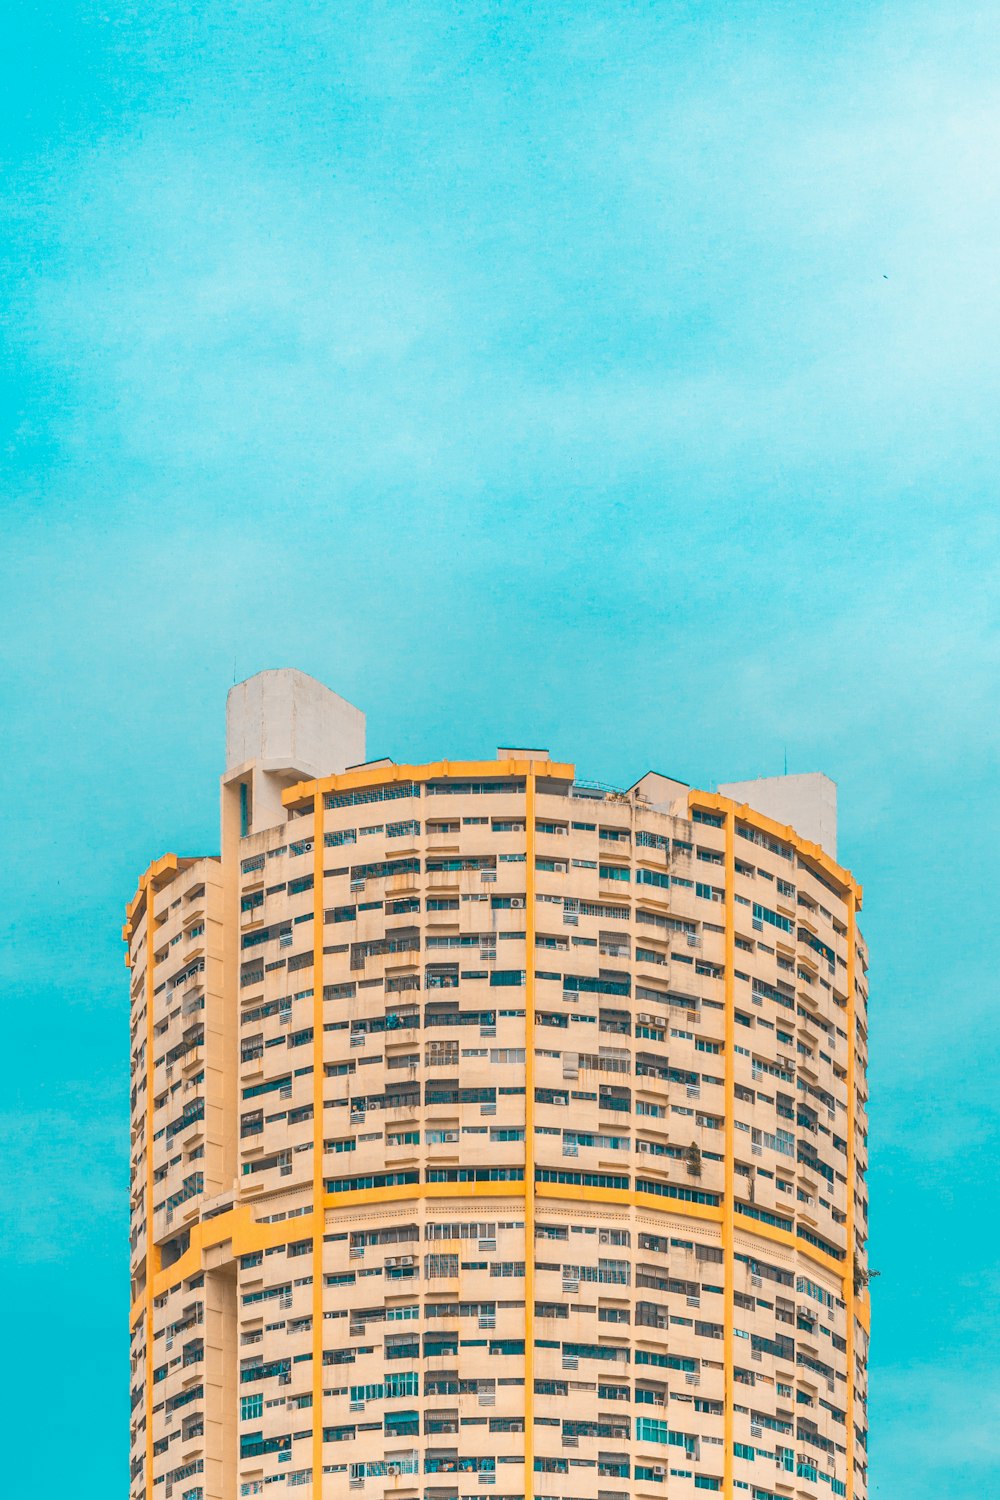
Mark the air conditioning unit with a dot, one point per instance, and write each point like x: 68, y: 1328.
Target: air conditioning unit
x: 285, y: 940
x: 756, y: 1280
x: 516, y: 902
x: 659, y: 1472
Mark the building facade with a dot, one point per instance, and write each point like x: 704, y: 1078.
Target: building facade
x: 495, y: 1132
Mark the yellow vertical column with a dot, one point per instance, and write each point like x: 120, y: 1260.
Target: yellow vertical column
x: 852, y: 954
x: 319, y: 1217
x: 529, y: 1135
x: 728, y: 1209
x: 151, y: 1256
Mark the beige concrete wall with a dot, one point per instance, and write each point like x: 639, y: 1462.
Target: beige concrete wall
x: 621, y: 1016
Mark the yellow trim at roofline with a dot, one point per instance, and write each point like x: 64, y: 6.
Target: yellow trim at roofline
x: 812, y: 853
x: 345, y: 781
x: 157, y: 875
x: 167, y: 864
x: 160, y: 873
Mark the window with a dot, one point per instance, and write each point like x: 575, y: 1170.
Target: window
x: 764, y: 914
x: 251, y: 1407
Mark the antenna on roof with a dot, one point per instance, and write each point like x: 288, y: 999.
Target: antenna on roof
x: 786, y: 760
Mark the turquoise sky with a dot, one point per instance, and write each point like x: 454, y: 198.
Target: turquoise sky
x: 619, y: 378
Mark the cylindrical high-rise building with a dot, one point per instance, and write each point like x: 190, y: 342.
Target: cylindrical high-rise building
x: 495, y: 1132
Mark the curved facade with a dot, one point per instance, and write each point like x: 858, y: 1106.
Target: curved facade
x: 507, y: 1135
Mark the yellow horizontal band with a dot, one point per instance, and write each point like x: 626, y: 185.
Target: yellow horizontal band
x: 248, y: 1234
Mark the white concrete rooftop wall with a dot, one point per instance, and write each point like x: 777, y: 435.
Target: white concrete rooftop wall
x: 286, y: 719
x: 283, y: 726
x: 808, y: 803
